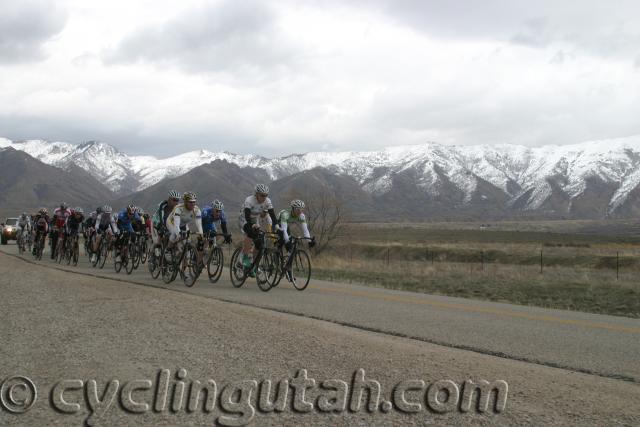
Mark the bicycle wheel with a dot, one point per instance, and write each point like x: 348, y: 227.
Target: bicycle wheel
x: 40, y: 249
x: 95, y: 261
x: 144, y: 251
x: 76, y: 252
x: 68, y: 253
x: 191, y: 270
x: 301, y: 270
x: 169, y: 270
x: 20, y: 245
x: 214, y: 264
x: 134, y: 256
x: 238, y: 276
x: 118, y: 260
x: 104, y: 252
x: 154, y: 265
x: 262, y: 269
x: 58, y: 254
x: 130, y: 257
x: 276, y: 263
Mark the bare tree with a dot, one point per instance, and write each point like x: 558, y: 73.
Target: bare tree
x: 325, y: 216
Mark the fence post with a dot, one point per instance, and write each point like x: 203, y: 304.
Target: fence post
x: 540, y: 261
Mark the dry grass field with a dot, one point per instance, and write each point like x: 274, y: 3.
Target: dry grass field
x: 591, y: 266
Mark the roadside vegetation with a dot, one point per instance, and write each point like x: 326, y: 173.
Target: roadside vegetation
x: 591, y: 272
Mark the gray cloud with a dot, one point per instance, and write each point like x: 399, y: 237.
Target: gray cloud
x: 25, y: 26
x: 230, y: 35
x: 601, y: 28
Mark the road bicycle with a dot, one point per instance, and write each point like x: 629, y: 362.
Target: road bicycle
x: 182, y: 258
x: 262, y: 265
x: 39, y: 245
x: 72, y: 249
x: 214, y: 256
x: 295, y: 266
x: 125, y: 253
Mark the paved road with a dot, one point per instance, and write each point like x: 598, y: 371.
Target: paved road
x: 602, y: 345
x: 59, y: 326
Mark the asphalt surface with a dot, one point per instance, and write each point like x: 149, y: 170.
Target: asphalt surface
x: 597, y: 344
x: 58, y: 325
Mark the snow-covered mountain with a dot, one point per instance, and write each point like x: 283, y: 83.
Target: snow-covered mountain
x: 549, y: 178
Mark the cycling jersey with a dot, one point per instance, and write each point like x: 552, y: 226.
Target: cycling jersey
x: 91, y: 221
x: 104, y: 221
x: 73, y: 224
x: 41, y: 222
x: 161, y: 214
x: 60, y: 217
x: 256, y: 208
x: 285, y: 218
x: 209, y: 220
x: 124, y: 220
x: 181, y: 217
x: 24, y: 223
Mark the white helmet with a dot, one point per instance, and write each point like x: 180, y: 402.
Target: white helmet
x: 217, y: 204
x: 173, y: 194
x: 297, y: 204
x: 262, y: 189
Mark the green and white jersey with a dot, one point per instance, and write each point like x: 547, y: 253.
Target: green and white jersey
x: 285, y: 218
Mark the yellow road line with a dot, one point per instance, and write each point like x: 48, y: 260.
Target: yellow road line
x: 499, y: 312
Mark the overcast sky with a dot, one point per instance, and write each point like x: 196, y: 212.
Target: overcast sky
x: 279, y: 77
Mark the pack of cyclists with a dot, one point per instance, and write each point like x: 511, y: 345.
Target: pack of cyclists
x: 168, y: 225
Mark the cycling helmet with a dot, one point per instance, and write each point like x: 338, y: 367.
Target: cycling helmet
x: 78, y: 210
x: 297, y: 204
x: 98, y: 210
x: 131, y: 209
x: 217, y: 204
x: 106, y: 209
x: 173, y: 194
x: 24, y: 215
x: 189, y: 197
x: 43, y: 211
x: 140, y: 211
x: 262, y: 189
x: 64, y: 205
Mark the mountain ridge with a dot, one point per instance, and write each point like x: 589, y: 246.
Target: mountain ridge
x: 554, y: 180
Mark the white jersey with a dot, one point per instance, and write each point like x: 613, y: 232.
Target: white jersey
x: 180, y: 216
x: 256, y: 209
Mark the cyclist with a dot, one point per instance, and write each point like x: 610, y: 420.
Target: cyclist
x: 74, y: 223
x: 160, y: 216
x: 248, y: 220
x: 24, y: 225
x: 295, y: 215
x: 60, y: 216
x: 41, y: 225
x: 183, y: 215
x: 105, y: 224
x: 126, y: 218
x: 215, y: 214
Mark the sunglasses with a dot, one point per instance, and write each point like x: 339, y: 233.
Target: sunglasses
x: 176, y: 200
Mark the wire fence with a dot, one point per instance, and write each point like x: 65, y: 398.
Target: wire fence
x: 543, y: 257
